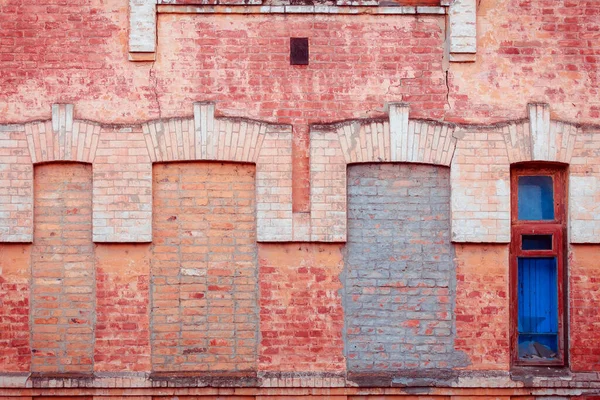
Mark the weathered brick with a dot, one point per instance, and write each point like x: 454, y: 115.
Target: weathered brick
x: 482, y: 301
x: 301, y: 316
x: 15, y: 274
x: 399, y: 274
x: 122, y: 308
x: 203, y: 268
x: 63, y: 280
x: 584, y: 294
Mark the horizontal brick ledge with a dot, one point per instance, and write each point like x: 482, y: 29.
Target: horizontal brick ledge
x: 318, y: 9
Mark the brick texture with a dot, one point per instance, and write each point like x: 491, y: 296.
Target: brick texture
x: 480, y: 173
x: 399, y: 269
x: 480, y: 179
x: 584, y: 188
x: 16, y: 188
x: 122, y: 337
x: 482, y: 305
x: 334, y: 146
x: 15, y: 274
x: 517, y: 41
x: 241, y: 140
x: 204, y: 268
x: 584, y: 295
x: 301, y: 316
x: 122, y: 187
x: 63, y: 279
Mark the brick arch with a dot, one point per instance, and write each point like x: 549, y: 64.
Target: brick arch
x: 62, y: 138
x: 480, y: 175
x: 206, y: 138
x: 540, y: 138
x: 334, y: 146
x: 122, y: 158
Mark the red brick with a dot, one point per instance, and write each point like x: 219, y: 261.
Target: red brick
x: 15, y: 353
x: 204, y: 289
x: 300, y: 308
x: 63, y: 299
x: 122, y: 312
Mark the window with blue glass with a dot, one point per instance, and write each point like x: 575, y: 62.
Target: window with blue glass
x: 537, y: 266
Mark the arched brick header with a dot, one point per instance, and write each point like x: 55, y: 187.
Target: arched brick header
x: 480, y: 175
x: 205, y: 137
x: 334, y: 146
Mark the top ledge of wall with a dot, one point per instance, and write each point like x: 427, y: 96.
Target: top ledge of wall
x: 305, y: 9
x: 461, y: 14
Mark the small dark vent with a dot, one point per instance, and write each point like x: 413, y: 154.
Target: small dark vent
x: 299, y: 51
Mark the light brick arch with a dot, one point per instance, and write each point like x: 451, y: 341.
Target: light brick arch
x: 206, y: 138
x: 334, y: 146
x: 122, y: 158
x: 62, y: 138
x: 480, y: 175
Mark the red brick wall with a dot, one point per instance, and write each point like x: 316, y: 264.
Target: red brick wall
x: 63, y: 282
x: 530, y: 51
x: 203, y: 268
x: 51, y: 53
x: 15, y: 353
x: 482, y: 305
x: 584, y: 297
x: 122, y: 308
x: 301, y: 315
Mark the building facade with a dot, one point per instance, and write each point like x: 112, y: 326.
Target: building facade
x: 345, y: 199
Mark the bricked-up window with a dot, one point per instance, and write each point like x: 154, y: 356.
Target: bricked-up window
x: 538, y: 203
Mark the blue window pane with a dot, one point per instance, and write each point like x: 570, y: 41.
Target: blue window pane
x: 536, y: 242
x: 538, y: 307
x: 536, y: 198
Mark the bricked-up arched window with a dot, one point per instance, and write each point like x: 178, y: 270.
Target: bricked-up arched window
x: 537, y: 264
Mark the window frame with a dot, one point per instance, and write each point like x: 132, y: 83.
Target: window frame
x: 556, y: 228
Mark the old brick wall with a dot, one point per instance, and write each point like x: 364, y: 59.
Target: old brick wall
x: 15, y: 274
x: 51, y: 53
x: 204, y: 268
x: 399, y: 274
x: 239, y: 60
x: 482, y: 305
x: 122, y: 308
x: 63, y: 301
x: 301, y: 314
x: 584, y: 293
x: 203, y: 297
x: 530, y: 50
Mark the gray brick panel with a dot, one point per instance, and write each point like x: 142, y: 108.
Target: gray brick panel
x: 399, y: 274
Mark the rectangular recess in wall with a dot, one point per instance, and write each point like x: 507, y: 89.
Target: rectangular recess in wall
x: 298, y: 51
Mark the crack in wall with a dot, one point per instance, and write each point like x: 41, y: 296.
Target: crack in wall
x: 153, y: 83
x: 447, y: 89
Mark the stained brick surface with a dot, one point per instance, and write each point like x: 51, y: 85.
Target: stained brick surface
x: 63, y: 282
x: 203, y: 268
x: 399, y: 268
x: 301, y: 315
x: 517, y: 41
x: 15, y: 273
x: 584, y: 295
x: 123, y: 316
x: 482, y: 313
x: 201, y: 297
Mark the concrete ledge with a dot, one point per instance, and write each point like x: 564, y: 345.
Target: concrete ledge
x: 317, y: 9
x: 530, y: 382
